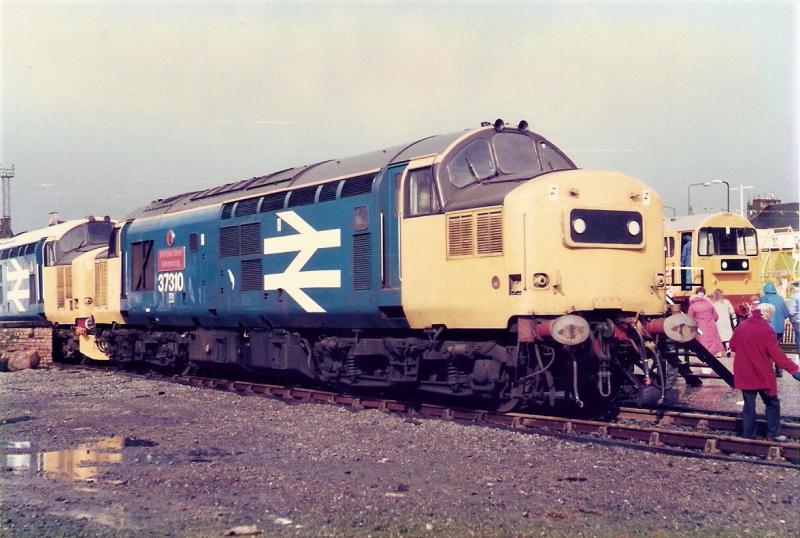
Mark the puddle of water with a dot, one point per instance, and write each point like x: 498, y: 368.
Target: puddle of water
x: 81, y: 463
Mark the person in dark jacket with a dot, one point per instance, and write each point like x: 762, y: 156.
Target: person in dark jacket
x: 781, y: 312
x: 756, y: 348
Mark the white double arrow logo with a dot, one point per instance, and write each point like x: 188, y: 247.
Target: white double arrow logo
x: 18, y: 276
x: 306, y: 242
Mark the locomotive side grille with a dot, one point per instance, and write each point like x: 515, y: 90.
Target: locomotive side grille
x: 60, y: 287
x: 68, y: 285
x: 459, y: 236
x: 229, y: 241
x: 357, y: 185
x: 251, y: 276
x: 328, y: 192
x: 304, y: 196
x: 273, y: 201
x: 250, y: 238
x: 490, y: 232
x: 362, y: 273
x: 246, y: 207
x: 101, y: 284
x: 227, y: 209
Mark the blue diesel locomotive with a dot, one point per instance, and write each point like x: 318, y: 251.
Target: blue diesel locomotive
x: 480, y: 263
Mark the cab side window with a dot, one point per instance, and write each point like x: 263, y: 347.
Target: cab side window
x: 421, y: 196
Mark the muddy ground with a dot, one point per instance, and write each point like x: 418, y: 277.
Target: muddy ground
x: 100, y: 454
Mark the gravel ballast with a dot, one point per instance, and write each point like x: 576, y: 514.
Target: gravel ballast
x: 151, y: 458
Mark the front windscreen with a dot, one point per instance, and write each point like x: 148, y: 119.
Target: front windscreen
x: 473, y: 163
x: 99, y: 232
x: 715, y: 241
x: 504, y: 155
x: 515, y: 153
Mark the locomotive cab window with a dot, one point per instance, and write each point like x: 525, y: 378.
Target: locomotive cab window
x: 727, y: 242
x: 472, y: 163
x: 421, y: 193
x: 515, y: 153
x: 669, y: 247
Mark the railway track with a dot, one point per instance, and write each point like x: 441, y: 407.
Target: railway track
x: 663, y: 434
x: 701, y: 435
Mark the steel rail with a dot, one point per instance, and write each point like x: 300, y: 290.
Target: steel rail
x: 700, y: 421
x: 657, y: 438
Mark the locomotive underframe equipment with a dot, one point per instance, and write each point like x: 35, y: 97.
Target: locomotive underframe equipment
x: 66, y: 347
x: 566, y: 359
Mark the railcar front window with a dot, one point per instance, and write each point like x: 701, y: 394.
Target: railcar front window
x: 473, y: 163
x: 727, y: 242
x: 515, y: 153
x: 747, y: 241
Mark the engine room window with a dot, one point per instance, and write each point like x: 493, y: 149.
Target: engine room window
x: 142, y: 274
x: 472, y: 163
x: 360, y: 218
x: 421, y: 193
x: 515, y: 153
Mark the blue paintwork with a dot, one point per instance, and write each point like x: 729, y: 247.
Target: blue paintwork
x: 15, y: 273
x: 211, y: 298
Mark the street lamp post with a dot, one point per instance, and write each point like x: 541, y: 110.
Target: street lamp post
x: 689, y: 194
x: 741, y: 189
x: 706, y: 184
x: 728, y: 186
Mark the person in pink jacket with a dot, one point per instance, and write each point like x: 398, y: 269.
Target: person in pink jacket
x: 702, y: 310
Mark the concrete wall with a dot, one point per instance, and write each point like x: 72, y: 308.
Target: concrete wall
x: 27, y: 338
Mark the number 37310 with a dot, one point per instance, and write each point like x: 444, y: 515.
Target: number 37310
x: 170, y: 281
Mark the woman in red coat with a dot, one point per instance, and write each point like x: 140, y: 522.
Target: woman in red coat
x: 756, y: 348
x: 703, y: 312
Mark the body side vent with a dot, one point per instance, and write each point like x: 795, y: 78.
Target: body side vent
x: 304, y: 196
x: 251, y: 277
x: 101, y: 284
x: 250, y: 239
x: 328, y: 192
x: 273, y: 202
x: 229, y: 241
x: 357, y: 185
x: 362, y: 266
x: 490, y: 232
x: 246, y: 207
x: 60, y: 288
x: 68, y: 286
x: 459, y: 236
x: 227, y: 210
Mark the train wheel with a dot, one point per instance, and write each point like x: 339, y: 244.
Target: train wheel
x: 507, y: 406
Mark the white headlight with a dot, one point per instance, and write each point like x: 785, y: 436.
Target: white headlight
x: 634, y: 228
x: 579, y: 225
x: 724, y: 265
x: 744, y: 264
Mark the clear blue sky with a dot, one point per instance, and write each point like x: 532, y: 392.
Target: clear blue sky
x: 108, y: 105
